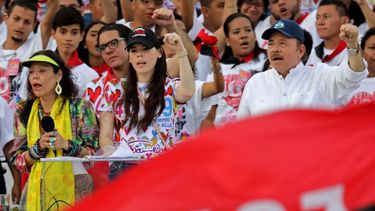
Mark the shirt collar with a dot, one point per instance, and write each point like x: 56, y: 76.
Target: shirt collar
x: 300, y: 66
x: 74, y: 61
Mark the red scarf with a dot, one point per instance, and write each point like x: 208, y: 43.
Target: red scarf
x: 340, y: 47
x: 206, y: 44
x: 230, y: 59
x: 74, y: 61
x: 247, y: 58
x: 300, y: 19
x: 101, y: 69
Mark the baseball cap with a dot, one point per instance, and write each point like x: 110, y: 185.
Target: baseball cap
x: 144, y: 36
x: 40, y: 58
x: 288, y: 28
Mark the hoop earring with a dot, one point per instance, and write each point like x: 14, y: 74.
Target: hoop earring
x: 58, y: 88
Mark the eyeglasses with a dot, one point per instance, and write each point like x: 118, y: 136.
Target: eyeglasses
x: 111, y: 45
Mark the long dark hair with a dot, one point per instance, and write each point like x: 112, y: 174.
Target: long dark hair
x: 228, y: 50
x: 69, y: 89
x: 83, y: 52
x: 154, y: 100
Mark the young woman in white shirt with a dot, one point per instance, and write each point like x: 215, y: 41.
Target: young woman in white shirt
x: 146, y: 106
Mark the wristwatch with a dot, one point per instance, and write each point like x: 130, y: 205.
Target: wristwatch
x: 353, y: 51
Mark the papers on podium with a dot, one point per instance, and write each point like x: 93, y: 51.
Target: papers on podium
x: 122, y: 153
x: 132, y: 159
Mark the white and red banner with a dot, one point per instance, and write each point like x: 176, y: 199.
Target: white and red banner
x: 293, y: 160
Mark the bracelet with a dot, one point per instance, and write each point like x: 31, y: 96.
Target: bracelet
x: 73, y: 150
x: 36, y: 153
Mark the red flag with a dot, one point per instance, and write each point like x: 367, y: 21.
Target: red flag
x: 292, y: 160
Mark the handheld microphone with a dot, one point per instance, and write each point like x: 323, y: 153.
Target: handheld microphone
x: 48, y: 125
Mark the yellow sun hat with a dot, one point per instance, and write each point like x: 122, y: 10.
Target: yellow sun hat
x: 40, y: 58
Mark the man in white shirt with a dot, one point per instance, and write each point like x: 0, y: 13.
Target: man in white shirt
x: 360, y: 12
x: 68, y: 32
x: 330, y: 16
x: 290, y: 84
x: 18, y: 46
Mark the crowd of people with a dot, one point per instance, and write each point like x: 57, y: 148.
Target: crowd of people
x: 144, y: 75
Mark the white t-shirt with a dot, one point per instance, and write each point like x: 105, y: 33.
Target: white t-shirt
x: 146, y: 143
x: 3, y: 31
x: 82, y: 75
x: 203, y: 64
x: 320, y: 86
x: 337, y: 60
x: 6, y: 124
x: 14, y: 57
x: 309, y: 25
x: 190, y: 114
x: 197, y: 26
x: 235, y: 79
x: 364, y: 94
x: 259, y: 29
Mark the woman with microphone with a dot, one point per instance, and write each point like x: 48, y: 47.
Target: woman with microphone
x: 52, y: 122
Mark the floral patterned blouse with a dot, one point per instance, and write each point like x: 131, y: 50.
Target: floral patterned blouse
x: 85, y: 131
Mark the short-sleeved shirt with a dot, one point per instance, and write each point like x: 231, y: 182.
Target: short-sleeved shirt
x: 10, y: 77
x: 147, y: 143
x: 235, y: 79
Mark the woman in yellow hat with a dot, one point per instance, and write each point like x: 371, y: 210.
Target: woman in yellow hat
x: 52, y: 122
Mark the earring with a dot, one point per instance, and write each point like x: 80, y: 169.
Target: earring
x: 58, y: 88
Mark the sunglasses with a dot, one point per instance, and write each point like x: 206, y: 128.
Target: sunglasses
x: 111, y: 45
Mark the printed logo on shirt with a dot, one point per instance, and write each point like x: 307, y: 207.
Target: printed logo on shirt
x: 8, y: 79
x: 362, y: 98
x: 234, y: 85
x: 145, y: 145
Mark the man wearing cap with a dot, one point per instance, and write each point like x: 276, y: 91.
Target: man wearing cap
x: 290, y: 84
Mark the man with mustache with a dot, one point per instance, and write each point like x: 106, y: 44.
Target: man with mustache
x: 290, y: 84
